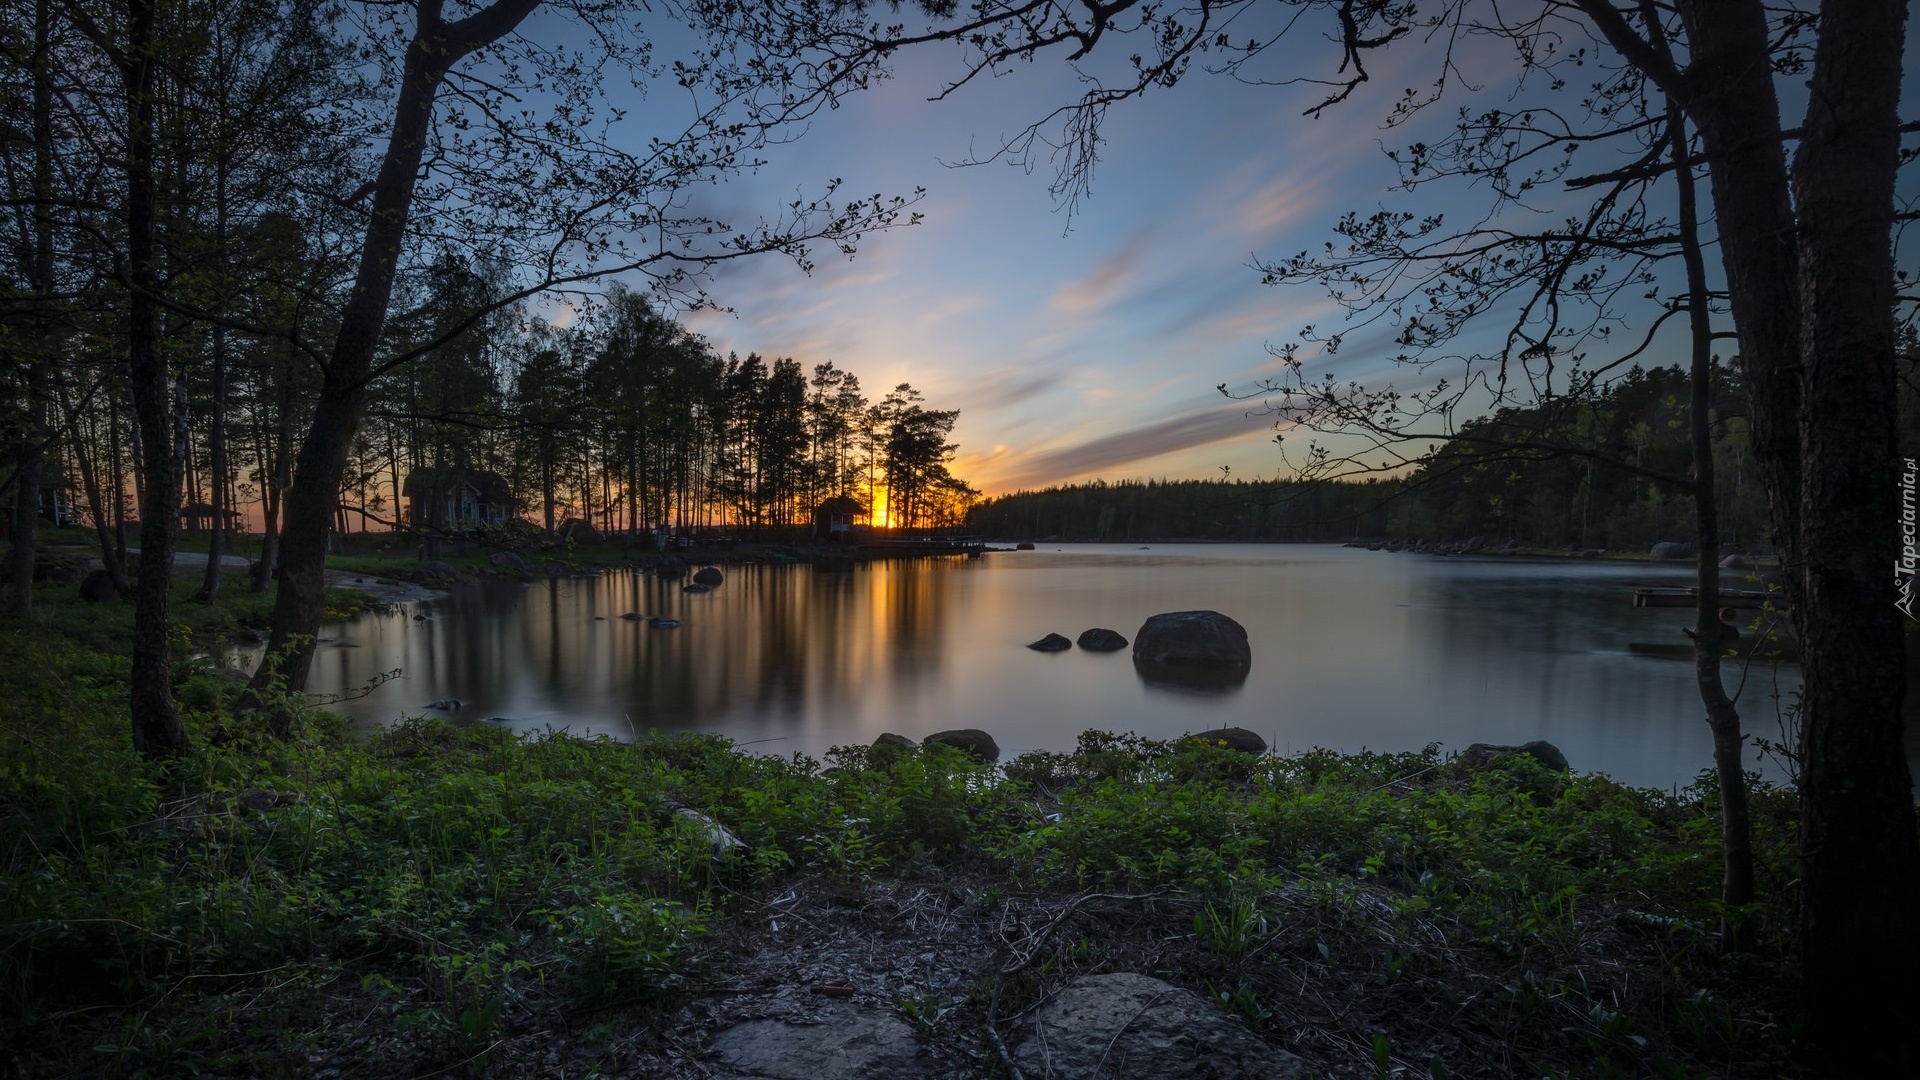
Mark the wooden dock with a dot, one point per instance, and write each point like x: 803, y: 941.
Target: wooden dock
x: 970, y: 546
x: 1687, y: 597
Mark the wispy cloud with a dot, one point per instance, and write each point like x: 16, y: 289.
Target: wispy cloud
x: 1109, y: 452
x: 1006, y: 387
x: 1111, y: 279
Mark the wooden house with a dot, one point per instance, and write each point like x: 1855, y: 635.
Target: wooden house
x: 457, y: 500
x: 835, y: 520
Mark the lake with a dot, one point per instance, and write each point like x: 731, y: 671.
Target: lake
x: 1351, y: 649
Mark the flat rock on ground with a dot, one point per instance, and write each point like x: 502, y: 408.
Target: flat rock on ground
x: 1122, y: 1025
x: 840, y: 1042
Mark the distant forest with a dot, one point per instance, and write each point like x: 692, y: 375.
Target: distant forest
x: 1607, y: 472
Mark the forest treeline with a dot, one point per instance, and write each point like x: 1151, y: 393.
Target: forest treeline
x: 1605, y: 472
x: 628, y: 421
x: 624, y: 420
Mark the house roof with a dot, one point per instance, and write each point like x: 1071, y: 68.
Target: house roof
x: 492, y: 487
x: 840, y: 504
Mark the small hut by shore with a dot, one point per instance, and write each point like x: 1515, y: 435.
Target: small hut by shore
x: 835, y: 520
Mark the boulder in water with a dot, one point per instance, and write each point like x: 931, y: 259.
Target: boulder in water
x: 1233, y: 738
x: 1542, y: 751
x: 1051, y: 643
x: 971, y: 740
x: 1197, y: 648
x: 890, y: 747
x: 510, y: 561
x: 1100, y: 639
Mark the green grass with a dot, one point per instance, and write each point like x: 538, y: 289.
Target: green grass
x: 107, y: 626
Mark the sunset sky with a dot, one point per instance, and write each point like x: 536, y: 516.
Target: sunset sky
x: 1090, y: 346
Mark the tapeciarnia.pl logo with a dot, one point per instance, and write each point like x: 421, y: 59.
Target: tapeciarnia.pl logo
x: 1903, y: 571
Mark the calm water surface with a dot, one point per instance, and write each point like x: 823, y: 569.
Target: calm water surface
x: 1351, y: 649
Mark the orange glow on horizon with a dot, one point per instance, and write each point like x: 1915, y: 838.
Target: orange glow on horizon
x: 879, y: 517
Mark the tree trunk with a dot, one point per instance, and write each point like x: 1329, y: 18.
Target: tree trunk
x: 112, y: 554
x: 156, y: 725
x: 273, y: 487
x: 1860, y: 883
x: 1736, y: 829
x: 33, y: 448
x: 217, y: 414
x: 300, y: 601
x: 1730, y: 98
x: 217, y: 467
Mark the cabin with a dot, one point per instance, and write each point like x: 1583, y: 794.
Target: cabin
x: 56, y: 501
x: 834, y: 521
x: 458, y: 500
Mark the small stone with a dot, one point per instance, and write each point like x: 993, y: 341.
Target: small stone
x: 259, y: 799
x: 1100, y: 639
x: 1051, y: 643
x: 709, y: 576
x: 718, y: 836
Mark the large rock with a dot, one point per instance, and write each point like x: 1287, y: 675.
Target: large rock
x: 972, y: 740
x: 439, y: 569
x: 1233, y: 738
x: 889, y: 748
x: 1669, y: 549
x: 1733, y: 562
x: 1051, y: 643
x: 844, y: 1042
x: 1540, y: 750
x: 97, y: 586
x: 1120, y: 1026
x: 1202, y: 648
x: 1100, y: 639
x: 709, y: 576
x: 510, y: 561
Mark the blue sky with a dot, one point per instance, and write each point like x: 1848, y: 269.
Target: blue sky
x: 1090, y: 346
